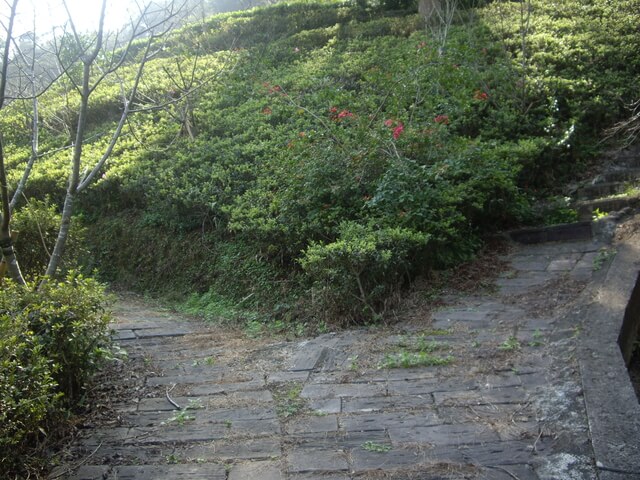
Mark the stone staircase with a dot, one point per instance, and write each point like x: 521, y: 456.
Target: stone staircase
x: 600, y: 203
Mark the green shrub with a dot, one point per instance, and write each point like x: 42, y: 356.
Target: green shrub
x: 37, y: 224
x: 28, y: 394
x: 51, y: 341
x: 354, y: 276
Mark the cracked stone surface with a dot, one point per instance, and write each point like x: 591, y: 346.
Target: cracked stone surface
x: 507, y: 403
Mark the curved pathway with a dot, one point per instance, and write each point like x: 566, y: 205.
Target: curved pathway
x: 492, y: 390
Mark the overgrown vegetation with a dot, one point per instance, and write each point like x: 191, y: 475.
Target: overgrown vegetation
x: 343, y: 153
x: 332, y: 151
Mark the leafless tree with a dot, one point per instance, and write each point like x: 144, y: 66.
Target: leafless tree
x: 99, y: 63
x: 83, y: 61
x: 6, y: 241
x: 438, y: 15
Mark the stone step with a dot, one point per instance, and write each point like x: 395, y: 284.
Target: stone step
x: 552, y: 233
x: 599, y: 190
x: 629, y: 157
x: 586, y: 208
x: 620, y: 175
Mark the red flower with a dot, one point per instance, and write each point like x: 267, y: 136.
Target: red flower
x: 480, y: 95
x: 266, y: 111
x: 345, y: 113
x: 398, y: 131
x: 389, y: 123
x: 333, y: 109
x: 443, y: 119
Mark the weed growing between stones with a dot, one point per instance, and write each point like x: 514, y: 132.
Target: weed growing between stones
x: 510, y: 344
x: 289, y: 403
x: 604, y: 255
x: 370, y: 446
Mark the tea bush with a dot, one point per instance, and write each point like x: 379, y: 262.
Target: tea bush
x: 51, y: 341
x: 355, y: 276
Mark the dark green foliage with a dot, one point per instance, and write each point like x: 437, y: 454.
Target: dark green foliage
x: 355, y: 276
x: 51, y: 342
x: 28, y: 393
x: 338, y: 116
x: 37, y: 224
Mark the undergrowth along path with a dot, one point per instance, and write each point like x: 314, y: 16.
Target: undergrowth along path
x: 487, y: 387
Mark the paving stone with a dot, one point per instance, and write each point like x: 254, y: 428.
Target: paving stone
x: 312, y: 424
x: 302, y: 460
x: 375, y: 376
x: 563, y: 264
x: 199, y: 416
x: 498, y: 453
x: 204, y: 432
x: 530, y: 262
x: 170, y: 472
x: 157, y: 404
x: 454, y: 315
x: 285, y: 377
x: 449, y: 434
x: 311, y: 353
x: 124, y: 334
x: 319, y: 476
x: 326, y: 405
x: 410, y: 374
x: 224, y: 388
x: 480, y: 397
x: 413, y: 387
x: 256, y: 471
x: 152, y: 472
x: 249, y: 448
x: 107, y: 436
x: 315, y: 391
x: 396, y: 458
x: 218, y: 376
x: 509, y: 472
x: 385, y: 403
x: 171, y: 331
x: 87, y: 472
x: 386, y: 421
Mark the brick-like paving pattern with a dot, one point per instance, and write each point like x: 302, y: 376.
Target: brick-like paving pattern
x: 508, y: 406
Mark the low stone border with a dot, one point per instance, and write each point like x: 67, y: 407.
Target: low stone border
x: 612, y: 406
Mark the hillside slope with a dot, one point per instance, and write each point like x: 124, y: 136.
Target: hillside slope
x: 330, y: 152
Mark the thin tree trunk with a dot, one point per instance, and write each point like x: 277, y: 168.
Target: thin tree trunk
x: 6, y: 243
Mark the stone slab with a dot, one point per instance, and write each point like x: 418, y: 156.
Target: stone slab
x: 385, y: 403
x: 491, y: 396
x: 152, y: 472
x: 310, y: 354
x: 176, y: 433
x: 312, y: 424
x: 395, y: 458
x: 367, y: 422
x: 305, y: 460
x: 256, y: 471
x: 263, y: 448
x: 438, y: 435
x: 323, y: 390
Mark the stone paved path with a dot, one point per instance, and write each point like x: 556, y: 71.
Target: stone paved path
x: 505, y: 403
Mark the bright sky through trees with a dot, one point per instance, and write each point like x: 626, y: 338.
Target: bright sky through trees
x: 85, y: 13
